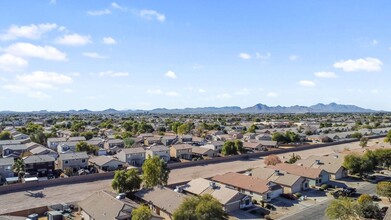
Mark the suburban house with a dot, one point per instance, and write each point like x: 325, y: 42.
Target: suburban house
x: 152, y: 140
x: 186, y: 138
x: 331, y: 164
x: 263, y: 137
x: 161, y: 200
x: 169, y: 140
x: 316, y: 176
x: 14, y: 150
x: 290, y: 183
x: 236, y: 135
x: 259, y: 189
x: 269, y: 144
x: 319, y: 138
x: 76, y: 139
x: 203, y: 152
x: 133, y: 156
x: 44, y: 151
x: 145, y: 135
x: 113, y: 145
x: 161, y: 151
x: 254, y: 146
x: 106, y: 163
x: 249, y: 136
x: 40, y: 164
x: 52, y: 143
x: 96, y: 143
x: 215, y: 145
x: 230, y: 199
x: 32, y: 145
x: 6, y: 168
x: 75, y: 160
x: 181, y: 151
x: 20, y: 136
x: 103, y: 205
x: 66, y: 147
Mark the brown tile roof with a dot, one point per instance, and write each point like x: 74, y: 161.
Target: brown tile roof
x: 181, y: 146
x: 298, y: 170
x: 244, y: 182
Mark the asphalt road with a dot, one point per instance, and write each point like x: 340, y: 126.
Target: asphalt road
x: 317, y: 212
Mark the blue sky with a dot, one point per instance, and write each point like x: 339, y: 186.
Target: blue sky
x: 142, y: 54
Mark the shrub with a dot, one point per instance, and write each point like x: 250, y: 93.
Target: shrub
x: 324, y: 186
x: 298, y: 195
x: 255, y: 201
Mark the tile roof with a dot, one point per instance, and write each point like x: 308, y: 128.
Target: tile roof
x: 164, y: 198
x: 244, y: 182
x: 308, y: 172
x: 181, y: 146
x: 73, y: 155
x: 38, y: 159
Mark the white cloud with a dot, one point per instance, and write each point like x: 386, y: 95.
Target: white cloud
x: 114, y: 74
x: 109, y: 40
x: 201, y: 90
x: 172, y: 94
x: 99, y: 12
x: 116, y: 6
x: 33, y: 84
x: 171, y: 74
x: 307, y: 83
x: 9, y: 62
x: 152, y: 14
x: 293, y: 57
x: 374, y: 91
x: 224, y: 96
x: 244, y: 56
x: 155, y: 91
x: 375, y: 42
x: 31, y: 50
x: 243, y: 91
x: 266, y: 56
x: 94, y: 55
x: 68, y: 90
x: 271, y: 94
x: 324, y: 74
x: 368, y: 64
x: 32, y: 31
x: 74, y: 40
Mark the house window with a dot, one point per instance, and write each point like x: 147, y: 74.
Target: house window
x: 83, y: 161
x: 65, y: 162
x: 7, y: 168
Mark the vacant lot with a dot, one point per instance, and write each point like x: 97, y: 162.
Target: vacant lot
x: 76, y: 192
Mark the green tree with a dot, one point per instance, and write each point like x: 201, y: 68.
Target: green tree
x: 229, y: 148
x: 83, y: 146
x: 383, y: 157
x: 357, y: 164
x: 384, y: 189
x: 199, y: 208
x: 155, y: 172
x: 126, y: 181
x: 87, y: 134
x: 279, y: 137
x: 239, y: 146
x: 5, y: 135
x: 357, y: 135
x: 252, y: 128
x: 38, y: 137
x: 185, y: 128
x: 142, y: 213
x: 128, y: 142
x: 363, y: 142
x: 388, y: 137
x: 19, y: 168
x: 294, y: 158
x: 342, y: 209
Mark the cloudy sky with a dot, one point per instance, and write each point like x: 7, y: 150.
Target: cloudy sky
x: 144, y: 54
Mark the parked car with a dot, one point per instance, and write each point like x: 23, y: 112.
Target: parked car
x: 348, y: 191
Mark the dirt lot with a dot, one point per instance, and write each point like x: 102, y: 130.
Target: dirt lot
x: 76, y: 192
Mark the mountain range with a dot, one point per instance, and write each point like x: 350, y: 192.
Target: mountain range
x: 258, y: 108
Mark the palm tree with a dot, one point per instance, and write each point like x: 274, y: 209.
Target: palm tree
x: 19, y: 168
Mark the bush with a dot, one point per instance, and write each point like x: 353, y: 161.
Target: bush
x: 298, y: 195
x: 255, y: 201
x: 324, y: 187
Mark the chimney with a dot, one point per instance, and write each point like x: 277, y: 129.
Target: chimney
x: 277, y: 172
x: 317, y: 162
x: 212, y: 185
